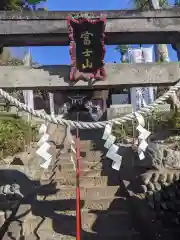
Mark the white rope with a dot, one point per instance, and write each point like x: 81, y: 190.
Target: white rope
x: 89, y: 125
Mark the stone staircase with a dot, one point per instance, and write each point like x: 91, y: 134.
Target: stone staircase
x: 105, y: 209
x: 113, y: 203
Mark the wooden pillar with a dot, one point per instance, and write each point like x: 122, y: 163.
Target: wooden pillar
x: 51, y: 103
x: 58, y: 100
x: 103, y: 96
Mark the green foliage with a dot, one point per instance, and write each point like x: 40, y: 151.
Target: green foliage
x: 35, y: 2
x: 163, y: 3
x: 177, y: 3
x: 165, y: 121
x: 122, y: 131
x: 144, y: 4
x: 160, y: 121
x: 14, y: 133
x: 122, y: 48
x: 156, y: 122
x: 174, y: 120
x: 18, y: 4
x: 141, y: 4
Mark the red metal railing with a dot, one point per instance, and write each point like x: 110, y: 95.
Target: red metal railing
x: 78, y: 208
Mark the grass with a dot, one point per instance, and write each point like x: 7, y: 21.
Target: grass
x: 15, y: 134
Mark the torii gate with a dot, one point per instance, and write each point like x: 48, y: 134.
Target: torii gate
x: 123, y: 27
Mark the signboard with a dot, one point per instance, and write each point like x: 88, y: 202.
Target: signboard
x: 120, y: 99
x: 141, y: 96
x: 86, y: 48
x: 120, y: 110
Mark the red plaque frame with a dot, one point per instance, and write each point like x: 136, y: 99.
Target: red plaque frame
x: 75, y: 74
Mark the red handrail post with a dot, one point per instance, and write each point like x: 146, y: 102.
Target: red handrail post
x: 78, y: 210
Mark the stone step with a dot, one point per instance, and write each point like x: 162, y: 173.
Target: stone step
x: 85, y: 181
x: 111, y: 174
x: 89, y: 147
x: 90, y: 165
x: 67, y: 160
x: 128, y: 235
x: 86, y: 144
x: 116, y: 203
x: 91, y: 193
x: 47, y: 235
x: 85, y: 155
x: 61, y: 165
x: 67, y: 170
x: 104, y: 223
x: 68, y: 166
x: 42, y: 175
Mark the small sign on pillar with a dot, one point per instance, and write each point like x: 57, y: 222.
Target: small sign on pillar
x: 86, y: 48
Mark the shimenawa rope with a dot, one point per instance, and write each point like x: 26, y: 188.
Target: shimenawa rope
x: 90, y: 125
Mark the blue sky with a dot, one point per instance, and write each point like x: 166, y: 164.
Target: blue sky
x: 60, y: 55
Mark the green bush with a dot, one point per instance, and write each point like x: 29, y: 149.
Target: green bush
x: 122, y: 131
x: 14, y: 135
x: 155, y: 122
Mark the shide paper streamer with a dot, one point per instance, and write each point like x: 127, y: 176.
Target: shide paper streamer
x: 72, y: 146
x: 46, y: 157
x: 109, y: 144
x: 143, y: 136
x: 42, y: 151
x: 112, y: 148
